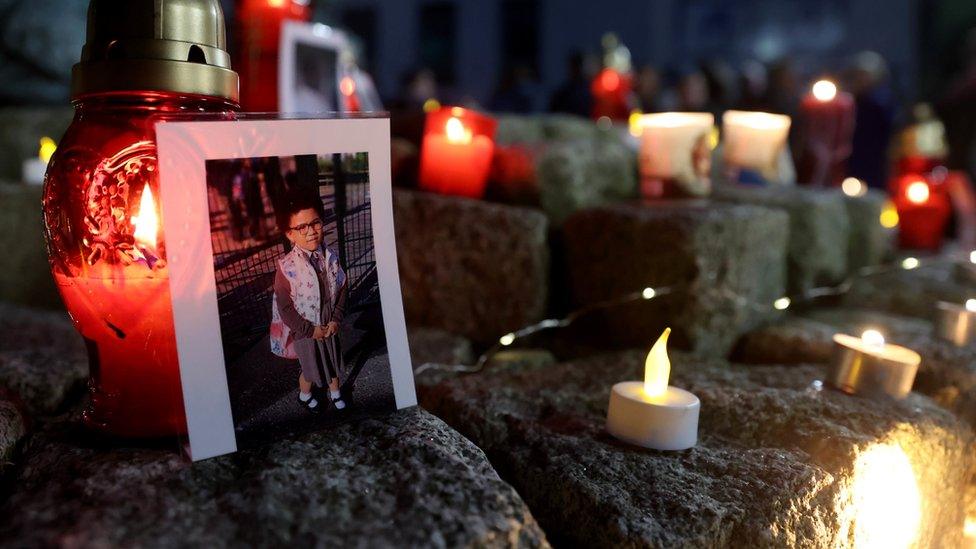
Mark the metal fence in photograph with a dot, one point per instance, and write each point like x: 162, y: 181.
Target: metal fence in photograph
x: 247, y: 243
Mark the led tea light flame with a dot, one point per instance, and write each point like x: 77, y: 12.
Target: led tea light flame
x: 456, y: 132
x: 651, y: 413
x: 648, y: 293
x: 972, y: 256
x: 909, y: 263
x: 782, y: 304
x: 873, y: 338
x: 507, y: 340
x: 853, y: 187
x: 657, y: 367
x: 917, y: 192
x: 824, y: 90
x: 886, y: 500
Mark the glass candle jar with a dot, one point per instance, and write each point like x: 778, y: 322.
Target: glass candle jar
x: 142, y: 61
x: 108, y: 257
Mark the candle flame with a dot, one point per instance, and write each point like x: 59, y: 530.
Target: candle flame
x: 853, y: 186
x: 917, y: 192
x: 456, y: 132
x: 347, y: 86
x: 610, y: 80
x: 824, y: 90
x: 46, y: 150
x: 873, y: 338
x: 657, y: 367
x: 146, y: 222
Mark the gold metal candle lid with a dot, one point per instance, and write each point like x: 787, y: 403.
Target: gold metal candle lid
x: 155, y: 45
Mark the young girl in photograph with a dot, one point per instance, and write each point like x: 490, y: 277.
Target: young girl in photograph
x: 308, y: 303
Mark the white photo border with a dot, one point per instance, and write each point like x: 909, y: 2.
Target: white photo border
x: 183, y: 149
x: 316, y: 35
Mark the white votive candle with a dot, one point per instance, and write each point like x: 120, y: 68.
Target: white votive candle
x: 675, y: 150
x: 754, y: 140
x: 651, y: 413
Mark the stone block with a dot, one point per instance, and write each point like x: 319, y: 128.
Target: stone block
x: 573, y: 175
x: 947, y: 373
x: 473, y: 268
x: 25, y: 276
x: 870, y: 243
x: 516, y: 129
x: 778, y: 463
x: 21, y: 130
x: 404, y: 480
x: 726, y: 262
x: 42, y: 358
x: 13, y: 428
x: 428, y: 345
x: 819, y: 232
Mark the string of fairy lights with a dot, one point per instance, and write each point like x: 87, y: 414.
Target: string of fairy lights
x: 649, y: 293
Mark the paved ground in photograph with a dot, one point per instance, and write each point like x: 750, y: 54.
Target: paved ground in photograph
x: 264, y: 387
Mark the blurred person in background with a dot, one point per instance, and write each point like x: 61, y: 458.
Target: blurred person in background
x: 754, y: 86
x: 874, y: 117
x: 692, y: 92
x: 957, y: 109
x: 648, y: 89
x: 513, y: 94
x: 574, y: 96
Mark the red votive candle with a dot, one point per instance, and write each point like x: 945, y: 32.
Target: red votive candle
x: 611, y: 90
x: 826, y: 131
x: 259, y: 36
x: 457, y: 151
x: 924, y: 208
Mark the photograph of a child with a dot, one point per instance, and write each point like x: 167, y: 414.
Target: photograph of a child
x: 297, y: 292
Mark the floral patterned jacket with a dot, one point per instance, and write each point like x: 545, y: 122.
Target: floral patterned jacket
x: 304, y: 292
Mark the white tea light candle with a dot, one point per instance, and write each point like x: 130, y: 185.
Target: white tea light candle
x: 870, y: 366
x: 754, y: 141
x: 956, y: 323
x: 651, y: 413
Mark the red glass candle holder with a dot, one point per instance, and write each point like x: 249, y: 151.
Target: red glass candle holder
x: 259, y: 35
x: 457, y: 151
x: 611, y: 91
x: 108, y: 258
x: 101, y: 195
x: 922, y: 200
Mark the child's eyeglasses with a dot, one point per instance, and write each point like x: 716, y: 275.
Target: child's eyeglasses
x: 304, y: 227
